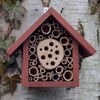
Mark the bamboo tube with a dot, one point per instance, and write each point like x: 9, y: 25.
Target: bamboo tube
x: 68, y: 75
x: 65, y: 67
x: 32, y: 39
x: 70, y: 60
x: 38, y: 40
x: 51, y: 21
x: 41, y: 37
x: 33, y: 71
x: 42, y: 70
x: 56, y: 25
x: 64, y: 41
x: 32, y: 49
x: 69, y: 47
x: 56, y: 33
x: 70, y: 66
x: 50, y: 36
x: 37, y: 35
x: 46, y: 29
x: 56, y: 77
x: 64, y: 61
x: 34, y: 62
x: 32, y: 57
x: 44, y: 78
x: 67, y: 53
x: 36, y: 78
x: 59, y: 69
x: 30, y: 79
x: 50, y: 75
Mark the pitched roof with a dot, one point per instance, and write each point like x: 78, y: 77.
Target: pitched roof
x: 85, y: 48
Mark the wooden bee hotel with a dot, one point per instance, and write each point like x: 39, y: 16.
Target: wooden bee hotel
x: 51, y: 49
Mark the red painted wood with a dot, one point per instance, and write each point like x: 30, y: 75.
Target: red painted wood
x: 73, y: 83
x: 76, y: 63
x: 23, y: 38
x: 25, y: 64
x: 83, y: 43
x: 49, y: 84
x: 86, y: 49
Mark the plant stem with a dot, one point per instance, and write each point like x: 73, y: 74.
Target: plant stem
x: 10, y: 28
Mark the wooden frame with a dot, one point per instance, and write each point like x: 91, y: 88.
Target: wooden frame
x: 73, y: 83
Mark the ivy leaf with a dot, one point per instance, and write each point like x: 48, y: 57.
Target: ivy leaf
x: 5, y: 44
x: 17, y: 24
x: 12, y: 81
x: 9, y: 41
x: 93, y: 9
x: 16, y: 78
x: 20, y: 11
x: 2, y: 69
x: 81, y: 28
x: 16, y: 11
x: 3, y: 56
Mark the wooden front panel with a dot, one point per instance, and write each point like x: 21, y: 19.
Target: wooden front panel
x: 35, y: 73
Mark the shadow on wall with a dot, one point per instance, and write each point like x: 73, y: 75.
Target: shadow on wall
x: 44, y: 93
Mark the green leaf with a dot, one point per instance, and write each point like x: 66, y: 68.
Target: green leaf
x: 2, y: 70
x: 93, y: 9
x: 12, y: 81
x: 13, y: 87
x: 16, y: 12
x: 9, y: 41
x: 3, y: 56
x: 16, y: 78
x: 17, y: 24
x: 5, y: 44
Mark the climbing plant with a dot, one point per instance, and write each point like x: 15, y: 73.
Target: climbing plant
x: 12, y: 11
x: 95, y: 6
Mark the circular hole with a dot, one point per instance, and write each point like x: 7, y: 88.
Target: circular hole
x: 51, y: 50
x: 56, y: 46
x: 33, y: 71
x: 58, y: 69
x: 52, y: 63
x: 64, y: 41
x: 55, y: 77
x: 57, y: 52
x: 51, y: 43
x: 50, y: 21
x: 40, y: 49
x: 56, y: 58
x: 32, y: 49
x: 50, y: 55
x: 56, y: 33
x: 69, y: 46
x: 66, y: 52
x: 33, y: 56
x: 42, y: 57
x: 32, y: 38
x: 45, y: 28
x: 46, y: 48
x: 68, y: 75
x: 47, y: 63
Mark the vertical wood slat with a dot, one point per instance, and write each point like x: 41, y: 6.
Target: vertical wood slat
x: 25, y: 64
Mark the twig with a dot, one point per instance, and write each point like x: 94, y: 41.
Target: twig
x: 97, y: 36
x: 81, y: 28
x: 10, y: 28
